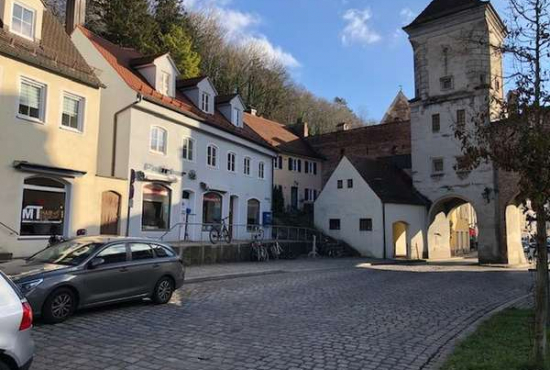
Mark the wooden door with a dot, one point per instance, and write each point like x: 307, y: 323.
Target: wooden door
x: 110, y: 213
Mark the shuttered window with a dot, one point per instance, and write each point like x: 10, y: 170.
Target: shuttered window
x: 31, y: 99
x: 72, y: 112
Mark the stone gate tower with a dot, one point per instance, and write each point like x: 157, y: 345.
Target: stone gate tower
x: 456, y: 71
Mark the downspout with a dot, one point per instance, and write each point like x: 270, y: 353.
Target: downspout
x: 139, y: 98
x: 384, y: 226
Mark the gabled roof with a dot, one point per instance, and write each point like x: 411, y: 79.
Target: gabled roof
x: 120, y: 60
x: 441, y: 8
x: 389, y: 183
x: 280, y: 136
x: 226, y: 99
x: 55, y: 52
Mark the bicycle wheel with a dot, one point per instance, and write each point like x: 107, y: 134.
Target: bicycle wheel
x: 227, y: 235
x: 214, y: 235
x: 260, y: 234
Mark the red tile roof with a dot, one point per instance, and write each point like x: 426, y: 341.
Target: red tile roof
x: 121, y: 58
x: 280, y: 136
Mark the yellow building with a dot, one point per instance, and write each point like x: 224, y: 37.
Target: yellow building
x: 49, y: 108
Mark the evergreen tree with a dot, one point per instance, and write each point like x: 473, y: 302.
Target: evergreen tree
x: 180, y: 46
x: 129, y: 23
x: 168, y: 13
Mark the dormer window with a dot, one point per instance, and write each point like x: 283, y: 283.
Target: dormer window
x: 23, y: 21
x: 205, y: 102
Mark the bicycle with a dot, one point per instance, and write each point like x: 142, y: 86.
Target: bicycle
x: 276, y: 250
x: 257, y: 232
x: 259, y: 252
x: 220, y: 232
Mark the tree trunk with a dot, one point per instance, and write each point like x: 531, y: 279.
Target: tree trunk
x: 541, y: 291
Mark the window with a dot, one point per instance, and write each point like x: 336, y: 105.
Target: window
x: 365, y: 224
x: 43, y: 209
x: 158, y: 140
x: 237, y: 116
x: 22, y: 21
x: 315, y: 168
x: 306, y: 166
x: 350, y: 183
x: 205, y: 102
x: 253, y: 213
x: 141, y: 251
x: 315, y: 194
x: 247, y: 166
x: 165, y: 83
x: 73, y: 112
x: 462, y: 164
x: 306, y: 195
x: 212, y: 156
x: 437, y: 166
x: 189, y: 149
x: 32, y: 99
x: 436, y: 123
x: 299, y: 165
x: 231, y: 162
x: 446, y: 83
x: 156, y: 208
x: 212, y: 208
x: 461, y: 118
x: 291, y: 164
x: 280, y: 159
x: 261, y: 170
x: 162, y: 252
x: 334, y: 224
x: 310, y: 195
x: 340, y: 184
x: 113, y: 254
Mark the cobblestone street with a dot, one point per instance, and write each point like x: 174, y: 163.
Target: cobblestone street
x: 329, y: 315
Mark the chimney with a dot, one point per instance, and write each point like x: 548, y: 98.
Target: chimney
x: 306, y: 130
x: 253, y: 111
x: 344, y: 126
x: 75, y: 14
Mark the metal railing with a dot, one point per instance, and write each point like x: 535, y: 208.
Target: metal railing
x: 199, y: 233
x: 12, y: 231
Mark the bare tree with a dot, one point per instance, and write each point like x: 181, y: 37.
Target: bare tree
x: 514, y: 133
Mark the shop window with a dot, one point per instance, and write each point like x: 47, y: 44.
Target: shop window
x: 156, y: 207
x: 43, y: 209
x: 211, y: 208
x: 253, y: 213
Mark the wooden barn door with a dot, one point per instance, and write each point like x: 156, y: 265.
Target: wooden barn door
x: 110, y: 213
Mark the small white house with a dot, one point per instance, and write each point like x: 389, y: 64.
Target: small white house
x: 373, y: 207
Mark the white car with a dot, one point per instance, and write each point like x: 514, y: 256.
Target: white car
x: 16, y: 344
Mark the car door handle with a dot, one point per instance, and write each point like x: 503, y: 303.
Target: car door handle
x: 123, y: 269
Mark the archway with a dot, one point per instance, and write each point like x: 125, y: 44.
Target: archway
x: 400, y: 239
x: 453, y: 229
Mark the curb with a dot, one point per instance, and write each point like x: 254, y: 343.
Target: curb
x: 438, y: 358
x: 232, y: 276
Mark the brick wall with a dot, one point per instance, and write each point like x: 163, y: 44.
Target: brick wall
x: 383, y: 140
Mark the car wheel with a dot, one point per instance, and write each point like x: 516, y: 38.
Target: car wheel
x: 163, y: 290
x: 59, y: 306
x: 3, y: 366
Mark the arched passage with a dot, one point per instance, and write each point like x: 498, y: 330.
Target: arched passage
x: 518, y: 228
x: 400, y: 239
x: 453, y: 230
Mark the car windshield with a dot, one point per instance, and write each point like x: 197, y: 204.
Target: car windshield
x: 68, y: 253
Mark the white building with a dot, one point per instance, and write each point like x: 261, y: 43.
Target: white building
x: 187, y: 148
x: 374, y: 208
x: 298, y: 167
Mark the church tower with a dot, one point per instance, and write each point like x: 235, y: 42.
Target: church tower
x: 457, y: 71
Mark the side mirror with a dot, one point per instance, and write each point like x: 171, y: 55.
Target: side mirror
x: 96, y: 262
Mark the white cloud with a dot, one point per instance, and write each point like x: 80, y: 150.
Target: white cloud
x: 242, y: 28
x: 407, y: 15
x: 358, y: 29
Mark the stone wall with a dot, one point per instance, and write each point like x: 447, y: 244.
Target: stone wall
x: 377, y: 141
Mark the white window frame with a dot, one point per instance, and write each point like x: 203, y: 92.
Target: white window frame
x: 81, y: 111
x: 261, y: 170
x: 185, y: 153
x: 205, y: 102
x: 214, y: 156
x: 232, y: 164
x: 238, y: 117
x: 34, y: 13
x: 43, y: 99
x: 247, y: 167
x: 155, y: 149
x: 165, y: 84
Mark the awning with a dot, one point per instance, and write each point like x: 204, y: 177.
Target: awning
x: 47, y: 170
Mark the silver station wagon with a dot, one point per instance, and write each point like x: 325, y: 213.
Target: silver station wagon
x: 93, y: 271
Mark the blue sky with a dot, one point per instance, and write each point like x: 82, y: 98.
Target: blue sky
x: 354, y: 49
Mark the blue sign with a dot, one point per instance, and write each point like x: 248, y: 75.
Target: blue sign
x: 267, y: 218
